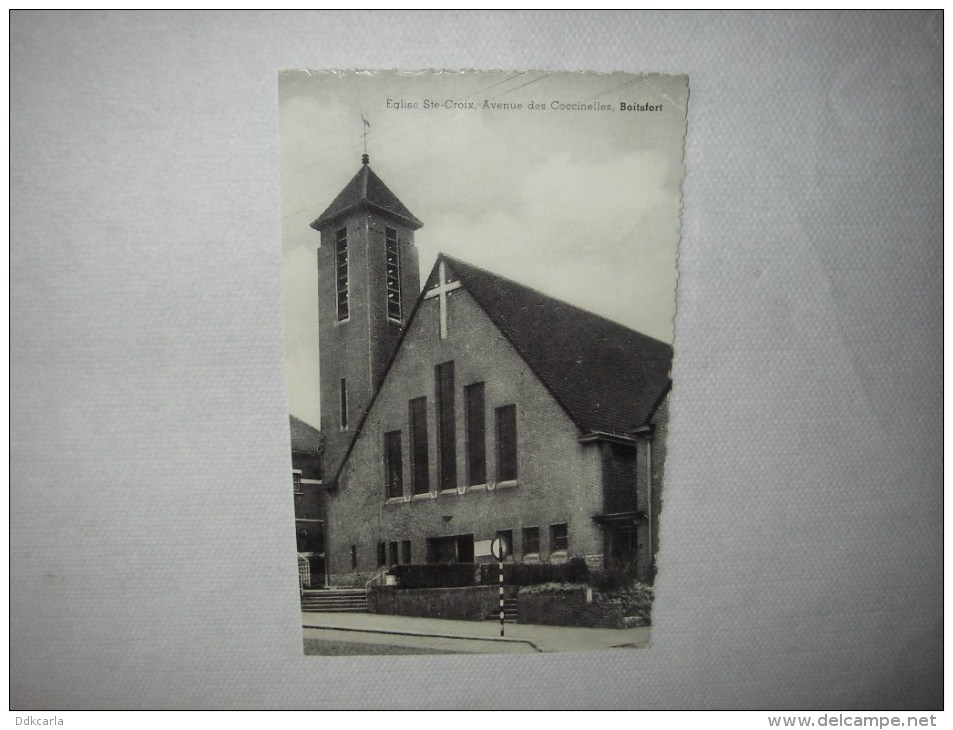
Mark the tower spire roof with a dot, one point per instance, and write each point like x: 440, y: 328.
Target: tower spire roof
x: 366, y: 190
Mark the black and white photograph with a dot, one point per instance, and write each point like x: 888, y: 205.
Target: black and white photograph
x: 479, y: 281
x: 477, y: 360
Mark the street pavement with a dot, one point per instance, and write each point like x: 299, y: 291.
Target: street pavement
x: 480, y: 637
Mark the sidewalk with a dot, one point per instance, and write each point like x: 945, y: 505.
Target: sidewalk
x: 468, y: 636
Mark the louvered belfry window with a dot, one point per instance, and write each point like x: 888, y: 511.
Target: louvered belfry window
x: 392, y: 266
x: 340, y: 249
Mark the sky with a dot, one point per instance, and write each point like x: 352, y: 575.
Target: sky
x: 582, y: 204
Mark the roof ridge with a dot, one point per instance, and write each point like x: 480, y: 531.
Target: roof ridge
x: 452, y: 259
x: 605, y: 376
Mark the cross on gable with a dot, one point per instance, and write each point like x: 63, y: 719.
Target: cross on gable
x: 440, y: 291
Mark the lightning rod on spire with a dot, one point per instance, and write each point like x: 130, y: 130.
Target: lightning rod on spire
x: 367, y: 125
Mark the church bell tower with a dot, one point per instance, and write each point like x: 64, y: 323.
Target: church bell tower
x: 368, y: 282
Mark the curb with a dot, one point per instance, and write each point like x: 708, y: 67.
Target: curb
x: 501, y: 639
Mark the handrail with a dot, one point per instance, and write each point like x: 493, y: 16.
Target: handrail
x: 381, y: 572
x: 304, y: 572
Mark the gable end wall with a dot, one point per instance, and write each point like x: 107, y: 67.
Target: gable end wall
x: 559, y: 478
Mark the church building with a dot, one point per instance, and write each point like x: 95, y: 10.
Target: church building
x: 475, y: 408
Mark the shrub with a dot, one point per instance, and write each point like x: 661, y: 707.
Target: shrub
x: 437, y: 575
x: 549, y: 588
x: 529, y: 574
x: 635, y: 600
x: 615, y: 578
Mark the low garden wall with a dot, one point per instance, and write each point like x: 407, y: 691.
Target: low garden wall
x: 469, y: 603
x: 569, y: 606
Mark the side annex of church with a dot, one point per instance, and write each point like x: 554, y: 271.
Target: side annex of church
x: 475, y: 408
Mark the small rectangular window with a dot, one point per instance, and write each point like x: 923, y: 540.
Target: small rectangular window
x: 392, y: 550
x: 506, y: 443
x: 558, y: 538
x: 393, y: 464
x: 296, y: 481
x: 420, y: 459
x: 392, y: 273
x: 405, y: 552
x: 381, y: 554
x: 476, y: 433
x: 344, y: 403
x: 446, y: 427
x: 530, y: 541
x: 340, y: 251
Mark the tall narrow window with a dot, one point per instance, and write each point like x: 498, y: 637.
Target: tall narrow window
x: 406, y: 555
x: 476, y: 433
x: 420, y: 457
x: 558, y: 538
x: 353, y: 557
x: 343, y: 403
x: 506, y: 443
x: 392, y: 266
x: 446, y: 427
x: 340, y: 250
x: 394, y: 464
x: 381, y: 554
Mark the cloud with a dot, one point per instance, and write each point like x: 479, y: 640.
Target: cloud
x: 570, y: 229
x: 583, y: 206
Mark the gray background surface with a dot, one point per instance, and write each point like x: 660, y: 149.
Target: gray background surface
x: 801, y: 552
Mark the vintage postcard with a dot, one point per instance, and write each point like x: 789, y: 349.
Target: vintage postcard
x: 479, y: 274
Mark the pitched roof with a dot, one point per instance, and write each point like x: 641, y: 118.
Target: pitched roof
x: 366, y: 190
x: 607, y: 377
x: 305, y: 438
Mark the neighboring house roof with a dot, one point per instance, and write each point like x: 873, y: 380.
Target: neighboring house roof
x: 366, y: 190
x: 305, y: 438
x: 607, y: 377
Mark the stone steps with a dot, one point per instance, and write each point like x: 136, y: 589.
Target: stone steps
x: 510, y: 613
x: 333, y: 601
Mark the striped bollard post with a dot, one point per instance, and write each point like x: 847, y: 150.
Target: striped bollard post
x: 499, y: 550
x: 501, y: 599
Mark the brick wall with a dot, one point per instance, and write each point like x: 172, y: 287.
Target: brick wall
x: 569, y: 607
x: 358, y: 349
x: 560, y: 480
x: 472, y: 603
x: 349, y: 580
